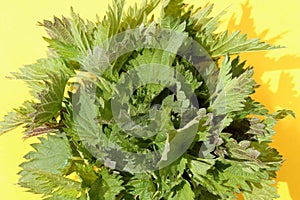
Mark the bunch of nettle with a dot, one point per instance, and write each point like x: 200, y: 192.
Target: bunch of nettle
x: 134, y: 107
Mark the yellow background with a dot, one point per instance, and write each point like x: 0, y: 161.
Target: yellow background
x: 278, y: 71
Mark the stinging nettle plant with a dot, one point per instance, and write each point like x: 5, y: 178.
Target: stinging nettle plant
x: 130, y: 107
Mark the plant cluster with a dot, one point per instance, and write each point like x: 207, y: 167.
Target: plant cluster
x: 229, y: 153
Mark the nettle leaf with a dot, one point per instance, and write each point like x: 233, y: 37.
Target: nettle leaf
x: 52, y: 155
x: 223, y: 176
x: 36, y: 74
x: 281, y: 114
x: 44, y: 171
x: 174, y: 171
x: 231, y: 92
x: 252, y: 108
x: 113, y: 18
x: 136, y: 16
x: 235, y: 43
x: 269, y: 156
x: 84, y: 117
x: 172, y: 7
x: 11, y: 121
x: 202, y: 22
x: 142, y: 186
x: 52, y: 186
x: 107, y: 187
x: 170, y: 23
x: 171, y: 176
x: 208, y: 175
x: 51, y: 98
x: 263, y: 190
x: 183, y: 191
x: 200, y: 17
x: 17, y: 117
x: 266, y: 126
x: 81, y: 31
x: 165, y: 51
x: 200, y: 167
x: 180, y: 139
x: 59, y: 29
x: 65, y: 51
x: 70, y: 38
x: 242, y: 151
x: 40, y: 70
x: 238, y: 176
x: 87, y: 174
x: 96, y: 62
x: 189, y: 76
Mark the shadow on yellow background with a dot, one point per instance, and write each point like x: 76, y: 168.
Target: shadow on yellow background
x: 278, y: 79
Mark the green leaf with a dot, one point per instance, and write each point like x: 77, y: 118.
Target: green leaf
x: 252, y: 108
x: 108, y: 187
x: 40, y: 70
x: 171, y: 176
x: 189, y: 76
x: 280, y: 114
x: 100, y: 34
x: 84, y: 116
x: 180, y: 140
x: 235, y: 43
x: 221, y: 177
x: 52, y: 186
x: 269, y: 122
x: 70, y: 38
x: 136, y: 16
x: 142, y: 186
x: 170, y: 23
x: 44, y: 170
x: 183, y: 191
x: 200, y: 16
x: 96, y: 62
x: 43, y: 70
x: 65, y: 51
x: 87, y: 174
x: 214, y: 186
x: 59, y: 29
x: 51, y: 98
x: 242, y: 151
x: 201, y: 22
x: 112, y: 21
x: 52, y: 155
x: 175, y: 170
x: 159, y: 56
x: 265, y: 190
x: 237, y: 177
x: 199, y: 168
x: 172, y: 8
x: 82, y: 32
x: 231, y: 92
x: 86, y: 126
x: 11, y: 121
x: 269, y: 156
x: 17, y: 117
